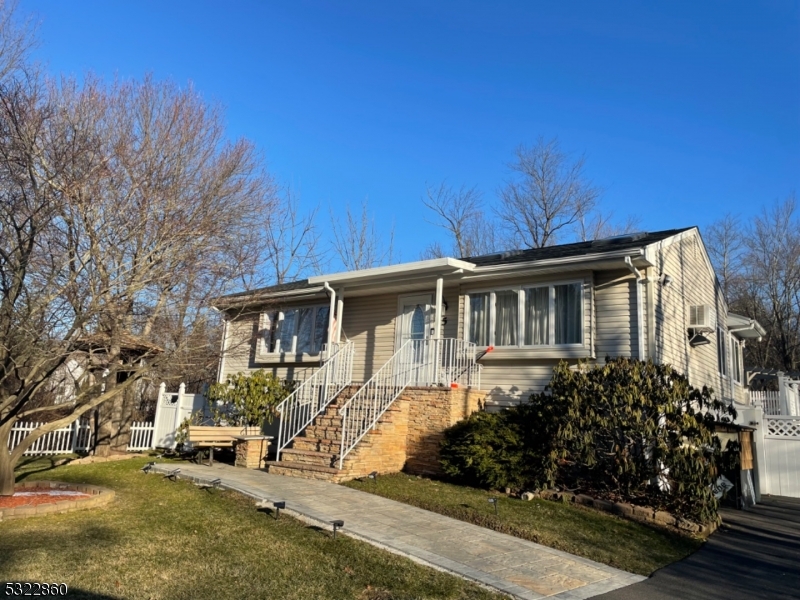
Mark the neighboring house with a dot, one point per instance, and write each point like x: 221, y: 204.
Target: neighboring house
x: 644, y: 295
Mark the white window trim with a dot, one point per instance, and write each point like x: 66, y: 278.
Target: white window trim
x: 262, y: 343
x: 723, y: 334
x: 520, y: 311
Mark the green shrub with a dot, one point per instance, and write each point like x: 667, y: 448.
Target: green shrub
x: 248, y: 399
x: 485, y: 450
x: 627, y: 430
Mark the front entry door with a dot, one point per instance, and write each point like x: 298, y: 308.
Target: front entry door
x: 414, y: 320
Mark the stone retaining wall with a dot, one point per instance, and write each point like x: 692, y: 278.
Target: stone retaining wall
x: 409, y: 433
x: 643, y: 514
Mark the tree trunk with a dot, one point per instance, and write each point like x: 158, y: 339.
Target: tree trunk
x: 6, y: 471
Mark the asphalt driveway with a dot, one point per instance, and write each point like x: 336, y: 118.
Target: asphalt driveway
x: 755, y: 554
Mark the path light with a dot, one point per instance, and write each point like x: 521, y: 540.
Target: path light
x: 148, y: 467
x: 172, y: 474
x: 493, y: 501
x: 278, y: 506
x: 336, y: 525
x: 204, y: 485
x: 373, y: 476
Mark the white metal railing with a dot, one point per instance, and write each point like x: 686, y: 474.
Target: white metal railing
x: 423, y: 363
x: 313, y: 395
x: 141, y: 436
x: 76, y: 437
x: 769, y: 400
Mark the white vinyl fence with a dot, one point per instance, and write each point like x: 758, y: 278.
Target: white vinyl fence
x: 770, y: 401
x: 782, y: 454
x: 171, y: 409
x: 67, y: 440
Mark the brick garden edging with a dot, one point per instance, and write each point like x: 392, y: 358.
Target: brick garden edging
x: 644, y: 514
x: 99, y: 496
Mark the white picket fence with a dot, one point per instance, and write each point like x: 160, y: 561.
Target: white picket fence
x: 141, y: 436
x: 67, y: 440
x: 770, y: 401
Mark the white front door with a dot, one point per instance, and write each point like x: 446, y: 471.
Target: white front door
x: 414, y: 318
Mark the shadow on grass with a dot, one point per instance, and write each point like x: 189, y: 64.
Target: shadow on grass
x: 79, y: 594
x: 18, y: 542
x: 38, y: 464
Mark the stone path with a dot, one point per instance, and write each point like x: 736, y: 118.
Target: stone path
x: 516, y: 567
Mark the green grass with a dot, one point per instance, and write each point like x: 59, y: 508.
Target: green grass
x: 171, y: 540
x: 599, y: 536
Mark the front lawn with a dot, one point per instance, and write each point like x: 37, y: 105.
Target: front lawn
x: 599, y: 536
x: 171, y: 540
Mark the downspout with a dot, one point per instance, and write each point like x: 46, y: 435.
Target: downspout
x: 639, y: 319
x: 223, y: 346
x: 651, y: 313
x: 327, y: 287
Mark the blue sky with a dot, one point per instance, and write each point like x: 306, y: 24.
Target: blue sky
x: 684, y: 110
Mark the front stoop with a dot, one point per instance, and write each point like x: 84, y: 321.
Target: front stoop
x: 314, y: 453
x: 407, y: 436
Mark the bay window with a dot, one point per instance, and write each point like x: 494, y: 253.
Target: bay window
x: 527, y: 316
x: 295, y: 330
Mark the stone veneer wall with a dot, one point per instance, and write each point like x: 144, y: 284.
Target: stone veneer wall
x: 408, y: 435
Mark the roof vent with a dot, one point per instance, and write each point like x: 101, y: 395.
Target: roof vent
x: 620, y: 239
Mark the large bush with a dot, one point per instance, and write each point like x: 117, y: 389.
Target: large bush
x: 248, y: 399
x: 627, y: 430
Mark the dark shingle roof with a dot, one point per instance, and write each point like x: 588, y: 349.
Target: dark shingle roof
x: 622, y: 242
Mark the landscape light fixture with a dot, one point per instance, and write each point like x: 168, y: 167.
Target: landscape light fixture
x: 278, y: 506
x: 148, y: 467
x: 373, y: 476
x: 205, y: 485
x: 336, y: 525
x: 493, y: 501
x: 172, y: 474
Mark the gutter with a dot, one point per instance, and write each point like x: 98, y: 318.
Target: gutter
x: 639, y: 320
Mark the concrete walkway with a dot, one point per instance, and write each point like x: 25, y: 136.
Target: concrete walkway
x: 502, y: 562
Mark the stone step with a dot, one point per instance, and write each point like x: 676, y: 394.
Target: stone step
x: 316, y: 444
x: 309, y: 457
x: 327, y: 421
x: 295, y: 469
x: 323, y: 433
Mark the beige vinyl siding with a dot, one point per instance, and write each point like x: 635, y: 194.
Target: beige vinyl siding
x: 368, y: 322
x: 240, y: 355
x: 692, y: 283
x: 617, y: 326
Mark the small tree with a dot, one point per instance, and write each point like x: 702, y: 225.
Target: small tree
x: 249, y: 400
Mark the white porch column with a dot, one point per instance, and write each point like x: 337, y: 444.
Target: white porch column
x: 437, y: 328
x: 339, y: 313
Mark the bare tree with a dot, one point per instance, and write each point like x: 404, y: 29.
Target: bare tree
x: 123, y: 212
x: 547, y: 196
x: 725, y: 240
x: 293, y: 248
x: 357, y: 243
x: 597, y: 225
x: 460, y: 213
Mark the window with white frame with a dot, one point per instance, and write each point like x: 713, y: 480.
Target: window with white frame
x: 527, y: 316
x: 300, y: 330
x: 736, y: 358
x: 722, y: 351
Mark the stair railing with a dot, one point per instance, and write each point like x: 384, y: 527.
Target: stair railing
x: 314, y: 394
x: 422, y: 363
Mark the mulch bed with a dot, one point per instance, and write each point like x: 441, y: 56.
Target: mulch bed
x: 34, y: 498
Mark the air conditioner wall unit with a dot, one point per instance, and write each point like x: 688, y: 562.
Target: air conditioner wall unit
x: 702, y: 317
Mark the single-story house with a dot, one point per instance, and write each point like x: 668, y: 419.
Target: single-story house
x: 498, y: 323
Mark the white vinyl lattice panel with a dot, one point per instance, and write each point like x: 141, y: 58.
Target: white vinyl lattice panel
x: 783, y: 427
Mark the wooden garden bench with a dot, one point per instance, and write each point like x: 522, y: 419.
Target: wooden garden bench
x: 209, y: 436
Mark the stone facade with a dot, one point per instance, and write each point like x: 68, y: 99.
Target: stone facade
x: 409, y: 433
x: 251, y: 451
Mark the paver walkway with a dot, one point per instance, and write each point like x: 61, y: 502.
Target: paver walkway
x: 517, y: 567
